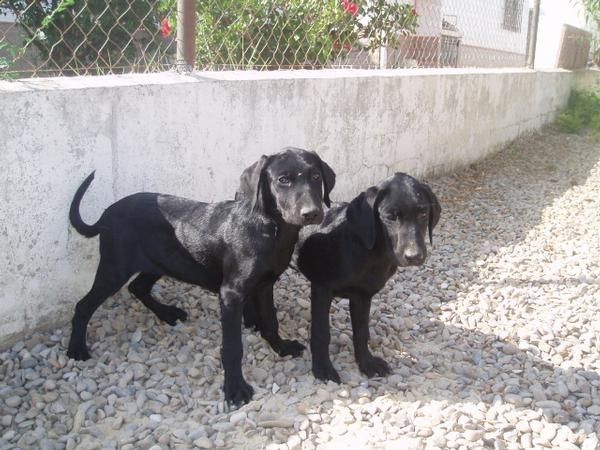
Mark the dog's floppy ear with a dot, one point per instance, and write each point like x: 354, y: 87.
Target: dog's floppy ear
x: 328, y: 176
x: 361, y: 216
x: 434, y: 210
x: 252, y: 181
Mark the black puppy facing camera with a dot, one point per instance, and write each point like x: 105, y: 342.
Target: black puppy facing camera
x: 233, y: 248
x: 355, y: 251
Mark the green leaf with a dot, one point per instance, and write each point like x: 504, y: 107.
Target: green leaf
x: 62, y: 6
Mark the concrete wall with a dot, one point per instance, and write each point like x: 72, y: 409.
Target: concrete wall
x: 587, y: 80
x: 193, y: 135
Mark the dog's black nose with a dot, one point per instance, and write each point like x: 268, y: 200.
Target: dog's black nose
x: 311, y: 215
x: 414, y: 256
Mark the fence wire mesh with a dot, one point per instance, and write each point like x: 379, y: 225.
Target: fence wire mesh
x: 72, y: 37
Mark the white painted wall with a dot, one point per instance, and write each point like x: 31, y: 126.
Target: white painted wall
x: 193, y: 135
x: 7, y: 16
x: 430, y: 17
x: 481, y: 24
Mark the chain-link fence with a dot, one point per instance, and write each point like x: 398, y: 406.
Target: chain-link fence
x: 67, y: 37
x: 73, y: 37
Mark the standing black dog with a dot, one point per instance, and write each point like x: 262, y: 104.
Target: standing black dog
x: 233, y: 248
x: 353, y: 253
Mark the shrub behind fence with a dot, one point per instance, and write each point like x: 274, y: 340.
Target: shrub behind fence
x: 74, y: 37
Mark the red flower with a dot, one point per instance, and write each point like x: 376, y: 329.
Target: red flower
x: 350, y: 7
x: 414, y: 12
x: 165, y: 28
x: 346, y: 46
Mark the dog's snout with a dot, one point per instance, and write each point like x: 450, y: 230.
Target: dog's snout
x: 414, y: 256
x: 311, y: 215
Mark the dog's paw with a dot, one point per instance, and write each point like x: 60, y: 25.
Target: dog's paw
x: 251, y: 319
x: 78, y: 353
x: 238, y: 392
x: 171, y: 314
x: 326, y: 372
x: 251, y: 323
x: 374, y: 366
x: 290, y: 347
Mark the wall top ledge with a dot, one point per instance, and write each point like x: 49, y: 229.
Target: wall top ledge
x: 172, y: 77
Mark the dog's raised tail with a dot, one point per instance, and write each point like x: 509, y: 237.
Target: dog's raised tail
x: 74, y: 216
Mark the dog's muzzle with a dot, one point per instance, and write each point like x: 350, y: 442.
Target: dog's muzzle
x: 311, y: 216
x: 410, y: 257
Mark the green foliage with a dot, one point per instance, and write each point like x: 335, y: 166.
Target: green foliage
x: 87, y: 33
x: 5, y: 61
x: 270, y: 33
x: 582, y: 112
x: 99, y: 34
x: 591, y: 9
x: 284, y: 33
x: 387, y: 23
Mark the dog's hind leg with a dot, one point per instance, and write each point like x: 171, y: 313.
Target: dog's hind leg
x: 108, y: 281
x: 141, y: 288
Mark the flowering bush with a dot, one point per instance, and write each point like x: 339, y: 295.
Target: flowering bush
x: 272, y: 33
x: 385, y: 23
x: 165, y: 28
x: 285, y: 33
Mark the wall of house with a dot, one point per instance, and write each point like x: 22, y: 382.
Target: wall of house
x: 193, y: 135
x: 483, y: 27
x: 471, y: 56
x: 430, y: 17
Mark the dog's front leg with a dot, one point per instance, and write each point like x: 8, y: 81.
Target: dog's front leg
x: 269, y: 326
x: 251, y: 316
x: 320, y: 336
x: 367, y: 363
x: 237, y: 391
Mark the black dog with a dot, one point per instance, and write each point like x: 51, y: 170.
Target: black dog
x: 353, y: 253
x: 233, y: 248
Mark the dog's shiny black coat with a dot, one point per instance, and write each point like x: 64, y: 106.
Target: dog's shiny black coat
x: 353, y: 253
x: 233, y: 248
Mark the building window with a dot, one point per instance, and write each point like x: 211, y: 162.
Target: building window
x: 513, y: 14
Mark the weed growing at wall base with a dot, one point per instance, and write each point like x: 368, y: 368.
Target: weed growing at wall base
x: 582, y: 113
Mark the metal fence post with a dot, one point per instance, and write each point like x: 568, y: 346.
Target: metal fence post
x: 533, y: 35
x: 186, y: 35
x: 383, y: 57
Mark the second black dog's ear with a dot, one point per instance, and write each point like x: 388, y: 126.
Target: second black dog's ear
x: 361, y: 217
x: 328, y: 181
x: 434, y: 210
x: 251, y: 182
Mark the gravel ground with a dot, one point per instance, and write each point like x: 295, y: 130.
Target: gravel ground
x: 494, y: 342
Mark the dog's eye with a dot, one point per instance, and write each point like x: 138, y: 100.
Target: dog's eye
x: 316, y: 176
x: 391, y: 216
x: 423, y: 215
x: 284, y: 180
